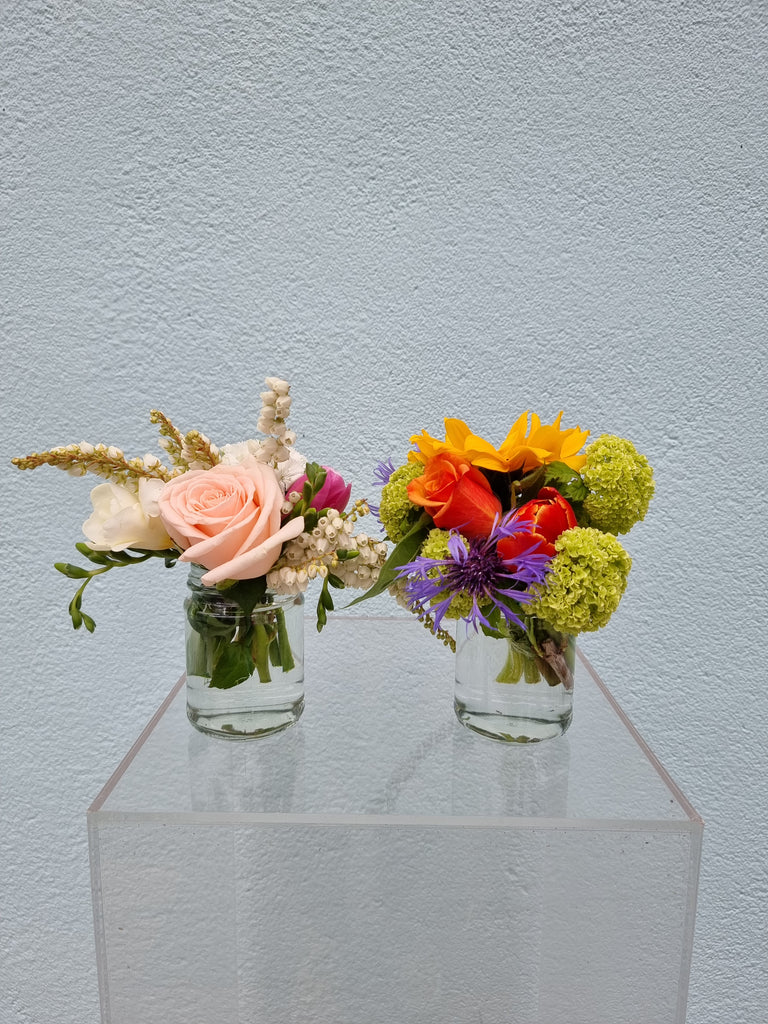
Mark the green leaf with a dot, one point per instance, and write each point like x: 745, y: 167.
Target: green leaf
x: 334, y: 581
x: 310, y: 520
x: 233, y: 664
x: 88, y: 622
x: 245, y: 593
x: 567, y: 481
x: 405, y: 551
x: 493, y: 616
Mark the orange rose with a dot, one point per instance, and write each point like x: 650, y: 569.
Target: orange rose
x: 456, y: 495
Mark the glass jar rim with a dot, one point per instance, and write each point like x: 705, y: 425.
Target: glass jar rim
x: 194, y: 583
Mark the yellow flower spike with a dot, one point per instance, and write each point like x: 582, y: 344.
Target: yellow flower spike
x: 521, y: 450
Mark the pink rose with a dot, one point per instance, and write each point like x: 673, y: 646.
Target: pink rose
x: 228, y: 519
x: 333, y: 494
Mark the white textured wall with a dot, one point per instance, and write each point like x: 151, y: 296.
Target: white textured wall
x: 411, y: 210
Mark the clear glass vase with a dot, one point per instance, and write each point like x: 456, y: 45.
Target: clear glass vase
x: 245, y: 658
x: 509, y: 689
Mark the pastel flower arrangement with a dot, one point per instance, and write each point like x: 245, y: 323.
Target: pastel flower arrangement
x: 518, y: 541
x: 256, y: 516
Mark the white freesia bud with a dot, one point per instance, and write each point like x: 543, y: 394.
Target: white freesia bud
x: 86, y: 448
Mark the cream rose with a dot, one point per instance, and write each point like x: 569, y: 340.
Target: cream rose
x: 124, y: 518
x: 227, y: 519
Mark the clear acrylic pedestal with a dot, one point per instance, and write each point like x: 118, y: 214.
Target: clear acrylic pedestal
x: 380, y: 864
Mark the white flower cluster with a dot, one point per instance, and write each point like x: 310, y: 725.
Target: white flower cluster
x: 108, y: 462
x: 315, y: 554
x: 276, y: 449
x: 397, y: 590
x: 275, y: 408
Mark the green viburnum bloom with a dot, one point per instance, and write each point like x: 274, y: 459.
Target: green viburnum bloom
x: 396, y: 511
x: 583, y: 588
x: 621, y: 484
x: 436, y: 546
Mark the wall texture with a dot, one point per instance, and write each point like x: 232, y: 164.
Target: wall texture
x: 410, y: 210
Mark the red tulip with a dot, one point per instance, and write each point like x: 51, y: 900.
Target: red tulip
x: 550, y: 512
x: 550, y: 515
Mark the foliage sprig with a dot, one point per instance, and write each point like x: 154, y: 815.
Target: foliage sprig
x: 105, y: 560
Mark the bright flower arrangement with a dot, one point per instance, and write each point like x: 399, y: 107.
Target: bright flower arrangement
x: 256, y: 515
x: 519, y: 541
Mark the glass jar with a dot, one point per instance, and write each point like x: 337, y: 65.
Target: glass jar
x: 511, y: 689
x: 245, y: 658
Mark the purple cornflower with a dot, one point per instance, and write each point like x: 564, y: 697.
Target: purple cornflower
x: 479, y: 572
x: 383, y: 472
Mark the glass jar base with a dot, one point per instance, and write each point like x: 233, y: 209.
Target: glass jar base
x: 509, y: 728
x: 245, y: 725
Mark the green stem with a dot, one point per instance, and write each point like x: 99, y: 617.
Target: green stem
x: 260, y: 651
x: 513, y: 667
x: 284, y: 643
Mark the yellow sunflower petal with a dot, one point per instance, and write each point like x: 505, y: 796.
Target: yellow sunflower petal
x: 456, y: 433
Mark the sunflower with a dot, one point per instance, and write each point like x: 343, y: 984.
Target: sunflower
x: 519, y: 452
